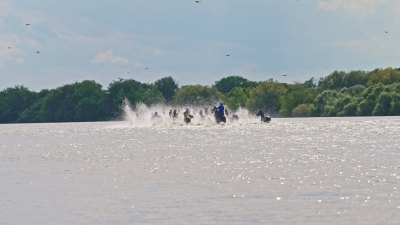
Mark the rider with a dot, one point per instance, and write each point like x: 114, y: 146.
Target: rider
x: 188, y: 113
x: 221, y: 110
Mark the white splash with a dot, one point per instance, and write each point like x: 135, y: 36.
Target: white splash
x: 141, y: 115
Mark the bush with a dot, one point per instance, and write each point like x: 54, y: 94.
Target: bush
x: 302, y: 110
x: 382, y: 107
x: 350, y: 109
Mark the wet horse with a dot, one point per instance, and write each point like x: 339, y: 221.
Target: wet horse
x: 264, y: 118
x: 186, y: 118
x: 218, y: 118
x: 233, y: 117
x: 155, y: 116
x: 173, y: 114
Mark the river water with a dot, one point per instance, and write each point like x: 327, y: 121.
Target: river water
x: 289, y: 171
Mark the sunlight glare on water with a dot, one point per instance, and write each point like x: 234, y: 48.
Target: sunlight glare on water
x: 140, y: 171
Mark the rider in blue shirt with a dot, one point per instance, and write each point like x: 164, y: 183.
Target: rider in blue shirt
x: 221, y: 109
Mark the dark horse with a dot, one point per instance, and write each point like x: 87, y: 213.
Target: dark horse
x: 187, y: 118
x: 233, y: 117
x: 263, y: 118
x: 218, y: 118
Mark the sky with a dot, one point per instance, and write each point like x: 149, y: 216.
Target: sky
x: 104, y: 40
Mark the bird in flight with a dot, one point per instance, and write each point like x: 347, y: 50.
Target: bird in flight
x: 386, y: 32
x: 197, y: 1
x: 37, y: 52
x: 27, y: 24
x: 9, y: 47
x: 284, y: 75
x: 228, y: 54
x: 146, y: 68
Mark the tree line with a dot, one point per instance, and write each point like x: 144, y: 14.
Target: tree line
x: 355, y: 93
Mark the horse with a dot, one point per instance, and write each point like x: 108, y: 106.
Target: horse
x: 174, y: 114
x: 155, y: 116
x: 234, y: 117
x: 188, y: 113
x: 265, y: 119
x: 201, y: 114
x: 186, y: 118
x: 218, y: 118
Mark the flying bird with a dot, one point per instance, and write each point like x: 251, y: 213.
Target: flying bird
x: 197, y: 1
x: 146, y: 68
x: 9, y: 47
x: 386, y: 32
x: 228, y: 54
x: 284, y: 75
x: 27, y: 24
x: 37, y: 52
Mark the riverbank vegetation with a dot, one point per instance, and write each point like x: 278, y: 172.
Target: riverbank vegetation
x: 355, y: 93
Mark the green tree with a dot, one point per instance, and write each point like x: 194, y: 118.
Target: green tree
x: 356, y: 78
x: 197, y: 95
x: 386, y: 76
x: 340, y: 79
x: 311, y: 83
x: 167, y: 86
x: 340, y: 103
x: 297, y: 94
x: 32, y: 114
x: 383, y: 105
x: 74, y: 102
x: 227, y: 84
x: 355, y: 91
x: 266, y: 96
x: 14, y: 101
x: 302, y: 110
x: 152, y: 96
x: 350, y: 109
x: 395, y: 104
x: 238, y: 97
x: 333, y: 81
x: 365, y: 107
x: 328, y: 103
x: 368, y: 99
x: 134, y: 92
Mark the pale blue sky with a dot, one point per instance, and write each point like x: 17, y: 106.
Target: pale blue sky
x: 103, y: 40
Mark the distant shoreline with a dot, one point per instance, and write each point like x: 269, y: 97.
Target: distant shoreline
x: 341, y: 94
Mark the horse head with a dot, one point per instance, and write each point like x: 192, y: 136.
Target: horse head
x: 260, y: 113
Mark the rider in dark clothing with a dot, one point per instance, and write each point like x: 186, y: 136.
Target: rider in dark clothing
x: 221, y: 109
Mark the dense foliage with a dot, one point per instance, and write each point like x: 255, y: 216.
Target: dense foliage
x: 356, y: 93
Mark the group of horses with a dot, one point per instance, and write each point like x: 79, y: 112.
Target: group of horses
x: 187, y: 117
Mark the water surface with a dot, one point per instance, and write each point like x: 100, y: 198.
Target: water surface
x: 290, y: 171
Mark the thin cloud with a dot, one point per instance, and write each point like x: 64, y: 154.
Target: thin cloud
x: 374, y: 46
x: 31, y: 17
x: 362, y: 7
x: 109, y: 57
x: 10, y: 55
x: 158, y: 52
x: 10, y: 47
x: 5, y: 7
x: 330, y: 5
